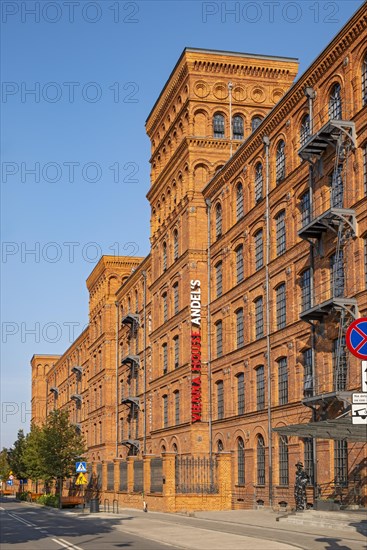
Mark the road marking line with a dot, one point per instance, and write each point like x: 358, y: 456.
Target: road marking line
x: 1, y: 508
x: 66, y: 544
x: 22, y: 520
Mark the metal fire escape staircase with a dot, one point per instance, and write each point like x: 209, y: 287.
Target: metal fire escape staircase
x: 340, y: 134
x: 132, y: 320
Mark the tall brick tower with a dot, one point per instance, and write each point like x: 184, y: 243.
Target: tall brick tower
x: 209, y: 105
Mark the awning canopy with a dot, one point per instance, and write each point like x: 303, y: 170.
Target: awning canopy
x: 341, y: 428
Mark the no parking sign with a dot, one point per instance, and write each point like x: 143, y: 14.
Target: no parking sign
x: 356, y: 338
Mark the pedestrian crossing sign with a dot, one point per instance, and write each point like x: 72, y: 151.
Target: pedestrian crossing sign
x: 80, y: 467
x: 81, y: 480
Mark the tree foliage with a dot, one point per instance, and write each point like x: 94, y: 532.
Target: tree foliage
x: 16, y: 456
x: 48, y: 452
x: 4, y: 464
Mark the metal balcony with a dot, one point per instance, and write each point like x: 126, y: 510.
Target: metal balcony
x: 131, y: 319
x: 329, y: 134
x: 318, y: 312
x: 329, y: 220
x: 130, y: 401
x: 77, y: 370
x: 132, y: 360
x: 327, y: 398
x: 77, y: 398
x: 131, y: 443
x: 55, y: 391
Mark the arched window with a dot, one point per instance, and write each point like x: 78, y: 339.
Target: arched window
x: 240, y: 393
x: 218, y: 220
x: 255, y: 122
x: 280, y: 234
x: 259, y: 249
x: 280, y: 162
x: 177, y: 407
x: 240, y: 461
x: 260, y: 460
x: 282, y: 381
x: 239, y: 264
x: 237, y: 127
x: 239, y: 328
x: 165, y: 306
x: 259, y: 182
x: 239, y: 201
x: 220, y: 445
x: 165, y: 410
x: 164, y: 256
x: 220, y: 400
x: 218, y: 125
x: 165, y: 358
x: 364, y: 80
x: 335, y: 102
x: 174, y: 448
x: 304, y: 130
x: 175, y: 244
x: 219, y: 338
x: 281, y: 306
x: 283, y: 461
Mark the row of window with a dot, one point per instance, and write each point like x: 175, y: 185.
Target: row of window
x: 176, y: 302
x: 165, y: 416
x: 237, y: 125
x: 340, y: 460
x: 176, y: 354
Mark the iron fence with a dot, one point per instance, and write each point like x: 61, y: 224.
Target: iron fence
x: 196, y: 475
x: 123, y: 476
x: 110, y: 476
x: 156, y: 475
x: 138, y: 476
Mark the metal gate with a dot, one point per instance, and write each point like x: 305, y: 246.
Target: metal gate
x: 138, y: 476
x: 196, y: 475
x: 110, y: 476
x: 156, y: 475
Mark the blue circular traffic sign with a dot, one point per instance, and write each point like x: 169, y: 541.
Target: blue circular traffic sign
x: 356, y: 338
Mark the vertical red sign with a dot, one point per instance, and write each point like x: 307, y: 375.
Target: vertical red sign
x: 195, y: 313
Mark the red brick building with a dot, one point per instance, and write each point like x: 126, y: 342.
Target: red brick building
x: 227, y: 343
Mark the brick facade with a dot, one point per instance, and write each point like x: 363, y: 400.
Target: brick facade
x: 132, y: 399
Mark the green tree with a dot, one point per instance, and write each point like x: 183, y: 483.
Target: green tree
x: 16, y: 456
x: 32, y: 456
x: 4, y: 464
x: 60, y: 445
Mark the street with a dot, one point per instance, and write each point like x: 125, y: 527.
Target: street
x: 31, y: 527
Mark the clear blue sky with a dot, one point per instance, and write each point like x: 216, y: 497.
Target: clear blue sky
x: 126, y: 50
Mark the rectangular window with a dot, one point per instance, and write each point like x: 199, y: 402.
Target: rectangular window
x: 165, y: 411
x: 239, y: 264
x: 165, y: 307
x: 337, y: 274
x: 260, y: 388
x: 259, y: 250
x: 175, y: 299
x: 280, y: 232
x: 220, y: 400
x: 259, y: 321
x: 306, y: 302
x: 283, y: 381
x: 165, y: 358
x: 177, y: 407
x: 283, y: 461
x: 339, y: 360
x: 341, y: 462
x: 308, y: 459
x: 281, y: 306
x: 219, y: 279
x: 240, y: 329
x: 307, y: 373
x: 365, y: 169
x: 305, y: 209
x: 219, y: 338
x: 177, y: 351
x: 241, y: 393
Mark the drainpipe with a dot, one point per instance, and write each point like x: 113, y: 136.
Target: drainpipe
x: 230, y: 87
x: 266, y: 142
x: 310, y: 94
x: 145, y: 363
x: 210, y: 426
x: 117, y: 378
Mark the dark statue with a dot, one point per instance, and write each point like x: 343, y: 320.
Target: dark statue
x: 300, y: 485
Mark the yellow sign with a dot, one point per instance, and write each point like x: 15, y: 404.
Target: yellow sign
x: 81, y: 480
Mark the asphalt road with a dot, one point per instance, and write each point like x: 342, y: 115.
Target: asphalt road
x: 34, y: 528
